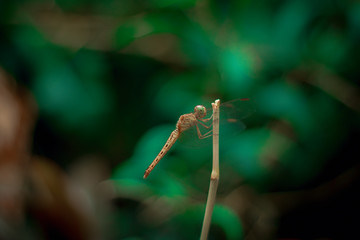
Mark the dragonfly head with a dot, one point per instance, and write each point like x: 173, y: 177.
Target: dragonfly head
x: 200, y: 111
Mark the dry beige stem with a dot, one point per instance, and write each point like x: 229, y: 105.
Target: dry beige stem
x: 215, y: 174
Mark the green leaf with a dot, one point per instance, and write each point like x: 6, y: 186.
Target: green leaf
x: 236, y: 67
x: 179, y: 4
x: 227, y: 219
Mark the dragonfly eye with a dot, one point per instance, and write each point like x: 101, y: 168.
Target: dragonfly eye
x: 200, y: 111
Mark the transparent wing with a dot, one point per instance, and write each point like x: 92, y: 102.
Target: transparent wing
x: 237, y: 110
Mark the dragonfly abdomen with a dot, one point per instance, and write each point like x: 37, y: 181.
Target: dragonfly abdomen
x: 169, y: 143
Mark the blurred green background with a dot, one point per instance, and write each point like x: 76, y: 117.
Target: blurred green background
x: 111, y: 78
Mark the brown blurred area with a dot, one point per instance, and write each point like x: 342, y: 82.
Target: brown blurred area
x: 17, y: 114
x: 34, y: 191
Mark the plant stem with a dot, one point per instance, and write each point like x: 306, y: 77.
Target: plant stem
x: 215, y: 173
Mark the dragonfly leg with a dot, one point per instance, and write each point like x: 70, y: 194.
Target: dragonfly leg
x: 203, y: 124
x: 207, y: 119
x: 202, y: 136
x: 208, y: 134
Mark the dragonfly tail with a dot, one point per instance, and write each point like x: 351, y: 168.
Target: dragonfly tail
x: 169, y: 143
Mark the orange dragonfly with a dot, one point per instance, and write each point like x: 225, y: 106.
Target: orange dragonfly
x: 232, y: 111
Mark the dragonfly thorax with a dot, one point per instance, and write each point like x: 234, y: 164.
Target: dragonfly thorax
x: 200, y: 111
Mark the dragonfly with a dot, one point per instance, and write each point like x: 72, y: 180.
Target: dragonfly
x: 232, y: 111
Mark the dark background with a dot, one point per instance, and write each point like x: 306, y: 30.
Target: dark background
x: 109, y: 80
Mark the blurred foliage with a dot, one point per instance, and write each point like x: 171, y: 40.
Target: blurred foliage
x: 112, y: 77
